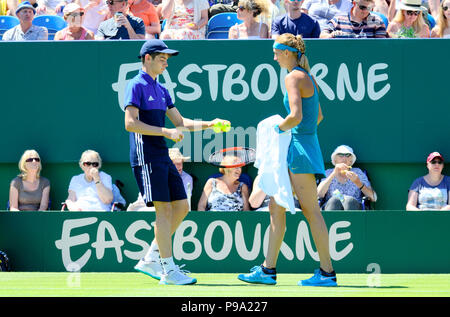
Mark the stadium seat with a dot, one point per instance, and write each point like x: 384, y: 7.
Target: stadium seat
x: 383, y: 17
x: 7, y: 22
x: 431, y: 21
x: 219, y: 25
x: 53, y: 23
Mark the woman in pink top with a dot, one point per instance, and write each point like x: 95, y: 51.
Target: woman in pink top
x: 73, y: 14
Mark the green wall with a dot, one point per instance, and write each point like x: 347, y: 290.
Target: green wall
x: 389, y: 241
x: 376, y: 95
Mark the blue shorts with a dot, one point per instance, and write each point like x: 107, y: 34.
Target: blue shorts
x: 159, y: 181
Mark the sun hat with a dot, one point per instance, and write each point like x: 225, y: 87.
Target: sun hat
x: 174, y: 153
x: 342, y: 149
x: 433, y: 155
x: 156, y: 46
x: 72, y: 7
x: 25, y: 4
x: 411, y: 5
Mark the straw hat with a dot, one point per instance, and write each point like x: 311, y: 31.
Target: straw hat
x: 411, y: 5
x: 174, y: 153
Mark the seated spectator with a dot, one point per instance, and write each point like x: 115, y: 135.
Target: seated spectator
x: 295, y: 22
x: 222, y: 7
x: 95, y: 12
x: 225, y: 193
x: 91, y: 190
x: 324, y: 10
x: 248, y: 11
x: 260, y: 201
x: 186, y: 19
x: 442, y: 28
x: 408, y: 21
x: 29, y: 190
x: 178, y: 160
x: 360, y: 23
x: 73, y: 14
x: 432, y: 191
x: 26, y: 31
x: 147, y: 12
x: 121, y: 26
x: 51, y: 7
x: 344, y: 185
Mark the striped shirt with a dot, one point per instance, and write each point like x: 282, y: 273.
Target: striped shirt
x: 370, y: 27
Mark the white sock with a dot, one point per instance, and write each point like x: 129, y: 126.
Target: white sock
x: 152, y: 253
x: 168, y: 264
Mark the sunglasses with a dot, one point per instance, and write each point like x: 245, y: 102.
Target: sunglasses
x: 364, y: 8
x: 437, y: 162
x: 94, y: 164
x: 445, y: 8
x: 242, y: 8
x: 344, y: 154
x: 295, y: 0
x: 31, y: 159
x: 111, y: 2
x: 77, y: 14
x: 409, y: 12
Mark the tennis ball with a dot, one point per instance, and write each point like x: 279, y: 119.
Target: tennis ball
x: 217, y: 127
x: 226, y: 127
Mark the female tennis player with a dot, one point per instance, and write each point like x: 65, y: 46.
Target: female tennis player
x: 304, y: 162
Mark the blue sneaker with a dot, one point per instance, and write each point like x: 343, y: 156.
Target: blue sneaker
x: 319, y: 280
x: 257, y: 276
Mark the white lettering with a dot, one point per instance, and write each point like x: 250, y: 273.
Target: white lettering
x: 335, y: 237
x: 227, y: 241
x: 343, y: 81
x: 229, y: 81
x: 213, y: 78
x: 130, y: 235
x: 271, y: 90
x: 101, y: 244
x: 180, y: 239
x: 182, y: 78
x: 372, y: 79
x: 240, y: 242
x: 303, y: 240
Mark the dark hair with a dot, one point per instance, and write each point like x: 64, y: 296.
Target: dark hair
x: 153, y: 55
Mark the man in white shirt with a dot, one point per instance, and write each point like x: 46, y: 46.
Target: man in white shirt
x: 26, y: 31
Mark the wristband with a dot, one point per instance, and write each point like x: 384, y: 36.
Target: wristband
x: 97, y: 182
x: 277, y: 129
x: 361, y: 187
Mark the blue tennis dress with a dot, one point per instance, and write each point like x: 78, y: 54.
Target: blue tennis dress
x: 304, y: 154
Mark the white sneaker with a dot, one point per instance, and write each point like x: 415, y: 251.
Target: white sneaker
x: 177, y: 277
x: 151, y: 268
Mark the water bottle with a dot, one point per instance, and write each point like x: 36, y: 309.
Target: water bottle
x: 337, y: 193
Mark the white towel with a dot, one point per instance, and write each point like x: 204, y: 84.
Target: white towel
x: 271, y: 161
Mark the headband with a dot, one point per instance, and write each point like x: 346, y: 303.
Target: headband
x: 283, y: 47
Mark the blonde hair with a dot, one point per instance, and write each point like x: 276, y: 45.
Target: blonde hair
x: 257, y: 6
x: 26, y: 155
x: 298, y: 43
x: 442, y: 22
x: 90, y: 152
x: 417, y: 25
x: 227, y: 159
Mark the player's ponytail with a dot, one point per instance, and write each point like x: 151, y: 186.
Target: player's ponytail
x: 302, y: 60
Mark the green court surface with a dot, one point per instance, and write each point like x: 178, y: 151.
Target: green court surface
x: 36, y: 284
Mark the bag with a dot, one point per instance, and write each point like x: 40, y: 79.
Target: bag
x: 4, y: 262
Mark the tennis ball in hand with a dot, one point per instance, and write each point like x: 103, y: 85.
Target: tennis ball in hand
x: 226, y: 127
x: 217, y: 127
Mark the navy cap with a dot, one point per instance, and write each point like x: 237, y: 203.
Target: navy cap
x: 25, y: 4
x: 156, y: 46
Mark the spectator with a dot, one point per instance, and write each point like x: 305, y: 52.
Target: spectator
x: 91, y: 190
x: 29, y: 190
x: 73, y: 14
x: 51, y: 7
x: 178, y: 160
x: 248, y: 11
x: 4, y: 9
x: 324, y: 10
x: 408, y: 21
x: 432, y: 191
x: 442, y: 28
x: 295, y: 22
x: 225, y: 193
x: 26, y: 31
x: 121, y: 26
x: 222, y: 7
x: 360, y: 23
x: 260, y: 201
x: 147, y: 12
x: 95, y: 12
x: 186, y: 19
x: 344, y: 185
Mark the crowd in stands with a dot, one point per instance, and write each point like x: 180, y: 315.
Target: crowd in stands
x: 344, y: 187
x: 257, y: 19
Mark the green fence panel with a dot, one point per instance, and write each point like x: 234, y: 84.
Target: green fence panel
x: 360, y: 242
